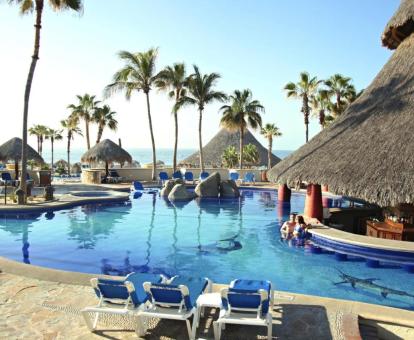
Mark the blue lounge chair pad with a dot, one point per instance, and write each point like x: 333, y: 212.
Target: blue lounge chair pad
x: 195, y: 285
x: 138, y: 279
x: 249, y: 286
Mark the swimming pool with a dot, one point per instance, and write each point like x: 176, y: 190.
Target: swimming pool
x: 221, y: 239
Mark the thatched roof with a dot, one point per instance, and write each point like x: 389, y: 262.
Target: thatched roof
x: 12, y: 151
x: 214, y: 149
x: 106, y: 151
x: 368, y: 151
x: 400, y: 26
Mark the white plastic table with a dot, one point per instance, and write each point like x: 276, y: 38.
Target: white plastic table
x: 212, y: 300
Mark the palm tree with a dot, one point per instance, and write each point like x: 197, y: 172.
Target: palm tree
x: 321, y: 103
x: 27, y: 6
x: 243, y: 112
x: 103, y: 116
x: 33, y: 131
x: 72, y: 129
x: 173, y: 79
x: 53, y: 135
x: 251, y: 154
x: 230, y: 157
x: 341, y: 88
x: 305, y: 88
x: 200, y: 94
x: 40, y: 131
x: 138, y: 74
x: 269, y: 131
x: 84, y: 110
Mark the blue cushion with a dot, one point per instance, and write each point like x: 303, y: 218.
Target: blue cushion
x: 189, y: 176
x: 163, y: 176
x: 138, y: 185
x: 5, y: 176
x: 138, y: 279
x: 250, y: 286
x: 204, y: 175
x: 195, y: 285
x: 234, y: 176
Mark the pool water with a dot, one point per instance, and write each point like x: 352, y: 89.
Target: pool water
x: 220, y: 239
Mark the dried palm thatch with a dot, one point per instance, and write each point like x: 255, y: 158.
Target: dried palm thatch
x: 107, y: 151
x: 368, y: 151
x: 12, y: 151
x: 213, y: 150
x: 400, y: 26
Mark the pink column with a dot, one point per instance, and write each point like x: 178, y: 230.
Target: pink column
x: 313, y: 202
x: 283, y: 193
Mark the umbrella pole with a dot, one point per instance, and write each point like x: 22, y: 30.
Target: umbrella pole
x: 106, y: 169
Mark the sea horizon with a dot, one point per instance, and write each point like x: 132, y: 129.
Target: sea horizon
x: 142, y: 155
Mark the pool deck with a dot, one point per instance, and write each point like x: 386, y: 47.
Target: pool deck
x: 49, y: 308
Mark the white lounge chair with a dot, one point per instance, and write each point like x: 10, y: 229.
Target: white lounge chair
x: 119, y: 297
x: 175, y: 300
x: 246, y: 302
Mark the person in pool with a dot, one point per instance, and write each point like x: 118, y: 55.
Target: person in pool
x: 300, y: 229
x: 288, y: 227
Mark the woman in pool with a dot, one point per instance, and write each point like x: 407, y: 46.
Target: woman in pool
x: 301, y: 229
x: 288, y: 227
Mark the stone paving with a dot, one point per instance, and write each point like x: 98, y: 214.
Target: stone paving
x: 35, y: 309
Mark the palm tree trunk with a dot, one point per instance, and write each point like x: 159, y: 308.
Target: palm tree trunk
x: 38, y: 143
x: 269, y: 153
x: 200, y: 142
x: 35, y: 57
x: 241, y: 148
x: 100, y: 131
x: 175, y: 141
x: 52, y: 141
x: 322, y: 118
x: 305, y: 110
x: 68, y: 151
x: 41, y: 145
x: 154, y: 158
x: 88, y: 142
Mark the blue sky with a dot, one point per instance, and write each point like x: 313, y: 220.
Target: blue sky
x: 260, y: 45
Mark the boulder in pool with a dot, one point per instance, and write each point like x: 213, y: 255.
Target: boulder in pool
x: 229, y: 189
x: 180, y: 193
x: 169, y: 185
x: 210, y: 187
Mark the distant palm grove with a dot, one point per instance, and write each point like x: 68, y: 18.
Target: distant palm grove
x: 324, y: 100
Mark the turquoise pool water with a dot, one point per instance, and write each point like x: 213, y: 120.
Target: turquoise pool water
x: 221, y: 239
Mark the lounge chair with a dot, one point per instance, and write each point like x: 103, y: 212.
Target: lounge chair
x: 204, y: 175
x: 249, y: 178
x: 163, y: 176
x: 189, y: 177
x: 137, y: 187
x: 114, y: 177
x: 6, y: 179
x: 176, y: 300
x: 246, y: 302
x: 177, y: 175
x: 119, y: 297
x: 234, y: 176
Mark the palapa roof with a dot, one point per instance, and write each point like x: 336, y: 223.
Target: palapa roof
x: 368, y: 151
x: 106, y: 151
x: 400, y: 26
x: 213, y: 150
x: 12, y: 151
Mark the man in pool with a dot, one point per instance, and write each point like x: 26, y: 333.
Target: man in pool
x: 289, y: 226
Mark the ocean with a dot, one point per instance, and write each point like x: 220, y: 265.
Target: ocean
x: 142, y: 155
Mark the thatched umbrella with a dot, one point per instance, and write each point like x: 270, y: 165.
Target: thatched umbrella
x: 61, y: 163
x: 107, y: 151
x: 213, y: 150
x: 368, y: 151
x: 12, y: 151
